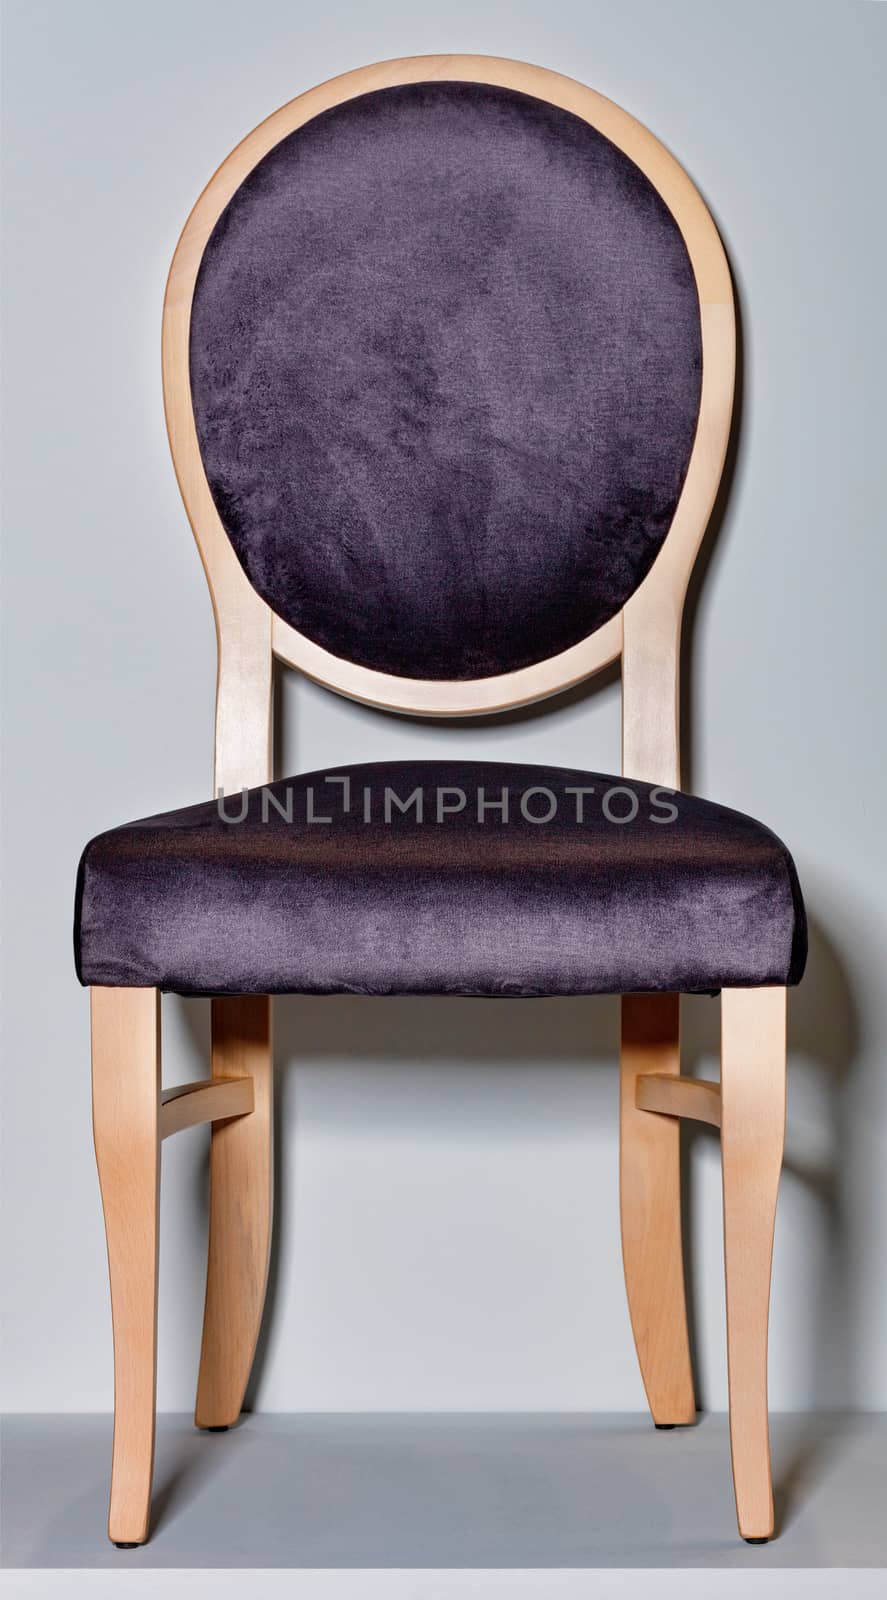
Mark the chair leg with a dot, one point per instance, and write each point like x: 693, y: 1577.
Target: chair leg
x: 650, y: 1200
x: 241, y: 1194
x: 753, y: 1052
x: 126, y: 1127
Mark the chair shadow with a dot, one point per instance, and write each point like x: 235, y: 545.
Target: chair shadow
x: 198, y: 1457
x: 824, y: 1027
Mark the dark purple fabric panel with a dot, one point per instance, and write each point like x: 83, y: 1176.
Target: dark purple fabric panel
x: 192, y: 903
x: 446, y: 366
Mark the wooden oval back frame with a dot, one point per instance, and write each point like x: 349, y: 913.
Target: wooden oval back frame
x: 645, y: 632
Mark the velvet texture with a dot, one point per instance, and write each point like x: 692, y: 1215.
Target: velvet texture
x: 194, y: 904
x: 446, y: 367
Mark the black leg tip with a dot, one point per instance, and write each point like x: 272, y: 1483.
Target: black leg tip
x: 218, y: 1427
x: 125, y: 1545
x: 764, y: 1539
x: 664, y: 1427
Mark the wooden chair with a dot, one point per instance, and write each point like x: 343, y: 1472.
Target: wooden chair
x: 450, y: 503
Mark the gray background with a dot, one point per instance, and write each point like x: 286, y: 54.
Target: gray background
x: 448, y: 1230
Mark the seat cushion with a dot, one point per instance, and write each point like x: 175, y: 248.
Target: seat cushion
x: 410, y: 878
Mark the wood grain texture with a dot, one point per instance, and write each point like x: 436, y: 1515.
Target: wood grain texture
x: 241, y: 1201
x: 650, y: 1208
x: 434, y: 698
x: 753, y: 1052
x: 673, y: 1096
x: 126, y: 1129
x: 245, y: 624
x: 649, y: 1145
x: 210, y: 1100
x: 241, y: 1155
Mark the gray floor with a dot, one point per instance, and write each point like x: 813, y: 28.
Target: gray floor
x: 446, y: 1492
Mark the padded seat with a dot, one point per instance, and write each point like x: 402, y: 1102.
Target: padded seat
x: 417, y: 883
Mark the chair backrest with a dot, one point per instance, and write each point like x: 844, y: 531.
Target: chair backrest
x: 448, y: 367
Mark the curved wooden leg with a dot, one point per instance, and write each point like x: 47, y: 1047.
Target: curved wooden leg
x: 241, y: 1194
x: 753, y: 1048
x: 650, y: 1201
x: 126, y: 1127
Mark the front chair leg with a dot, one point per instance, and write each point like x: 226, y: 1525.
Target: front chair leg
x: 753, y: 1058
x: 126, y: 1127
x: 241, y: 1197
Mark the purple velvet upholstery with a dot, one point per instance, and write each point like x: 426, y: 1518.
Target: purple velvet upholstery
x: 192, y: 903
x: 446, y: 365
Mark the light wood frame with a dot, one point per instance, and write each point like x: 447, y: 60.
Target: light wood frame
x: 131, y: 1113
x: 242, y: 616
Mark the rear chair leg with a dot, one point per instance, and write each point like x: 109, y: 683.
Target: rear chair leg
x: 126, y: 1127
x: 753, y: 1059
x: 650, y: 1204
x: 241, y: 1197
